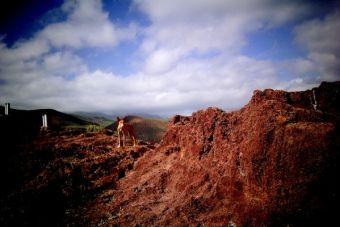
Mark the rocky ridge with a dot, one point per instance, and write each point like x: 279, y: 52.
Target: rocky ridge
x: 272, y: 163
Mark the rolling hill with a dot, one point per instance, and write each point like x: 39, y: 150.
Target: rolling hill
x: 26, y: 124
x: 101, y: 119
x: 33, y: 119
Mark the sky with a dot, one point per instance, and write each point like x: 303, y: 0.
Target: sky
x: 162, y: 57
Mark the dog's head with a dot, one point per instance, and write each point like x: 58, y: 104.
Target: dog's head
x: 121, y: 121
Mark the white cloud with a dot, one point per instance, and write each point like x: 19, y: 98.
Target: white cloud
x: 63, y: 64
x: 190, y: 86
x: 220, y: 24
x: 320, y: 37
x: 180, y: 28
x: 161, y: 61
x: 43, y: 70
x: 87, y: 26
x: 23, y: 50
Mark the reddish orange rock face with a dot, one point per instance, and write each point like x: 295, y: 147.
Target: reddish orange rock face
x: 272, y: 163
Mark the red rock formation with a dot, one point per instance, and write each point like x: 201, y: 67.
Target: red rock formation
x: 272, y: 163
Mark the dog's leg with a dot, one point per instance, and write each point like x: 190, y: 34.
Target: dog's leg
x: 124, y: 139
x: 134, y: 141
x: 119, y: 142
x: 132, y: 137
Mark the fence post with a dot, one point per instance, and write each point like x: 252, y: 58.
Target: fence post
x: 7, y: 107
x: 44, y: 121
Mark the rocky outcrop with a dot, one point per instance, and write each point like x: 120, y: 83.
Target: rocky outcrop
x: 272, y: 163
x: 49, y: 180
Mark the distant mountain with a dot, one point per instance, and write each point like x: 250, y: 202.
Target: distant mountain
x: 106, y: 120
x: 147, y: 129
x: 94, y: 114
x: 148, y: 116
x: 99, y: 118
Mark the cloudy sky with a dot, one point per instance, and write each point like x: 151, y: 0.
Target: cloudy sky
x: 163, y: 57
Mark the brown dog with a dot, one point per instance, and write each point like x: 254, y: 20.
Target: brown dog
x: 123, y: 129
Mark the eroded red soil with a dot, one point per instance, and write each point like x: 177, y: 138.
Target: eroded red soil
x: 272, y: 163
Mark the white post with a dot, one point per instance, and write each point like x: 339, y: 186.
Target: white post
x: 313, y: 100
x: 7, y: 106
x: 44, y: 121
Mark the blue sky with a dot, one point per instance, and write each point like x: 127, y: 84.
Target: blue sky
x: 162, y: 57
